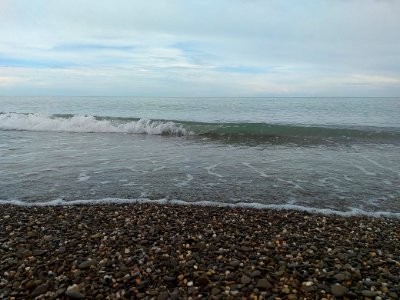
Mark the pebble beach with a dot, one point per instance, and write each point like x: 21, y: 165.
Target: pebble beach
x: 150, y: 251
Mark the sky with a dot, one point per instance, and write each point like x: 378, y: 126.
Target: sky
x: 200, y: 48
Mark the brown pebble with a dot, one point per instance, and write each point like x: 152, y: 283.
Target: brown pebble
x: 264, y: 284
x: 163, y: 295
x: 338, y: 290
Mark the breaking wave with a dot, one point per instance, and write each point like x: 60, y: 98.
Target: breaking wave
x: 75, y: 123
x: 232, y: 131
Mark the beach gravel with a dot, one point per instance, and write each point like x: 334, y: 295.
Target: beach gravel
x: 149, y: 251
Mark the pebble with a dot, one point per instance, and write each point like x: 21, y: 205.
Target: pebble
x: 41, y: 289
x: 368, y: 293
x: 87, y: 264
x: 264, y: 284
x: 245, y: 279
x: 163, y: 295
x: 180, y: 252
x: 338, y: 290
x: 255, y: 273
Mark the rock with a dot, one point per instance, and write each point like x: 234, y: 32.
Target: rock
x: 370, y: 283
x: 264, y: 284
x: 38, y: 252
x: 41, y: 289
x: 215, y: 291
x: 342, y: 276
x: 61, y: 250
x: 169, y: 279
x: 368, y: 293
x: 163, y: 295
x: 74, y: 294
x: 29, y: 284
x: 59, y: 292
x: 245, y: 279
x: 338, y: 290
x: 23, y: 253
x: 255, y: 273
x: 87, y: 264
x: 202, y: 281
x: 235, y: 263
x: 48, y: 238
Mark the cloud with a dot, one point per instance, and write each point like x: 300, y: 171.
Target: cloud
x: 200, y: 47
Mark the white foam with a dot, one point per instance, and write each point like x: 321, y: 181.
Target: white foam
x: 83, y: 177
x: 262, y: 174
x: 142, y: 200
x: 364, y: 170
x: 211, y: 170
x: 37, y: 122
x: 186, y: 182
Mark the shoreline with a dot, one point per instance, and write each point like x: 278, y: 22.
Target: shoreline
x: 162, y: 251
x: 237, y: 205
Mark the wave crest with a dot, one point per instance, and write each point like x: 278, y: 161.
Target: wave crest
x: 38, y: 122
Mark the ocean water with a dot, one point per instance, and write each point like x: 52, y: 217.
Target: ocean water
x: 332, y: 155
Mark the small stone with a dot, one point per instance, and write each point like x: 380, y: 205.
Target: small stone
x: 368, y: 293
x: 41, y: 289
x: 74, y: 294
x: 48, y: 237
x: 163, y: 295
x: 87, y: 264
x: 370, y: 283
x: 22, y: 253
x: 255, y: 273
x: 338, y: 290
x: 235, y: 263
x: 292, y: 297
x: 202, y: 281
x: 264, y: 284
x: 342, y: 276
x: 245, y: 279
x: 59, y: 292
x: 38, y: 252
x: 152, y: 292
x: 215, y: 291
x: 62, y: 250
x: 29, y: 285
x: 169, y: 278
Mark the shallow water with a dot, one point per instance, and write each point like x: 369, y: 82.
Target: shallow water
x: 348, y: 166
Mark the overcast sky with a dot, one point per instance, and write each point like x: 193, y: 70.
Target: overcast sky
x: 200, y: 48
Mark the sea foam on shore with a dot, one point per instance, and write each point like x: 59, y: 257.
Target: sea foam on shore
x: 314, y: 210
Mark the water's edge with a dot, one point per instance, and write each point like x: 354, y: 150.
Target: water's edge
x: 108, y: 201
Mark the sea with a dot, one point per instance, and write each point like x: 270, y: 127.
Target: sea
x: 321, y: 154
